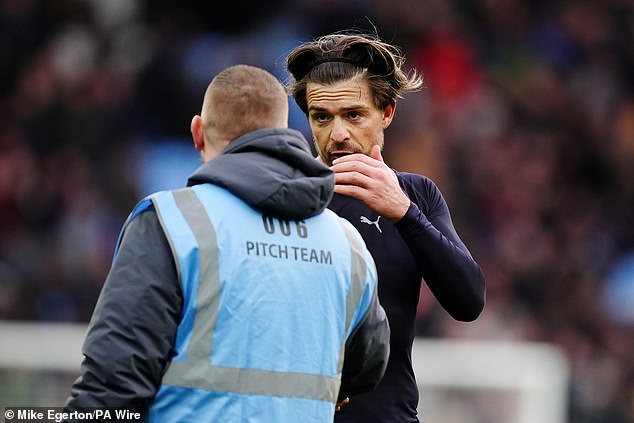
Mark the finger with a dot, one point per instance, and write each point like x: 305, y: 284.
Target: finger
x: 357, y: 157
x: 352, y: 166
x: 352, y: 191
x: 346, y: 400
x: 366, y: 166
x: 353, y: 178
x: 375, y: 153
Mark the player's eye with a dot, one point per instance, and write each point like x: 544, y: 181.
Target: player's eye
x: 320, y: 117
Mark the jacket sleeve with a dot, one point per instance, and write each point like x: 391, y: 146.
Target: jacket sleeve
x: 133, y: 326
x: 366, y: 353
x: 367, y: 348
x: 453, y: 276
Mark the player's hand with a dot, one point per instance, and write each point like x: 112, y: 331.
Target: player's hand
x: 369, y: 179
x: 343, y: 402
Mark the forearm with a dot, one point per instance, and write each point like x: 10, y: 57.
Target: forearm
x: 453, y: 276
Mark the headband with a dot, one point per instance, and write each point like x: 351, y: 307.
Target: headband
x: 335, y: 59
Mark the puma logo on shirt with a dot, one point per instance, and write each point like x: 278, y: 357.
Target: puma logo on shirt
x: 371, y: 222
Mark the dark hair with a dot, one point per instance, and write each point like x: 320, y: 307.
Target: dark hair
x: 338, y: 57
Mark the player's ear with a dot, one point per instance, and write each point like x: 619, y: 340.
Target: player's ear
x: 388, y: 114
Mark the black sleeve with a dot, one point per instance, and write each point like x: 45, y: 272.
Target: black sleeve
x: 453, y: 276
x: 366, y: 353
x: 133, y: 326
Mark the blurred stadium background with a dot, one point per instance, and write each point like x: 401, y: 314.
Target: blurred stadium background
x: 526, y: 124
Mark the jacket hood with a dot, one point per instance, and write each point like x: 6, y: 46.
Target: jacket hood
x: 273, y: 171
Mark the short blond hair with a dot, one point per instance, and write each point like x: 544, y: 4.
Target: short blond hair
x: 244, y: 98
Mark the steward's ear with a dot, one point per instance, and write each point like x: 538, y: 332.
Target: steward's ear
x: 198, y: 133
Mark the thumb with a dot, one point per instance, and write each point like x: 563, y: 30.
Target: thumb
x: 375, y: 153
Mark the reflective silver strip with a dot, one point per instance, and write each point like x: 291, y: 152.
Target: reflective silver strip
x: 357, y: 280
x: 197, y: 371
x: 200, y: 344
x: 254, y: 381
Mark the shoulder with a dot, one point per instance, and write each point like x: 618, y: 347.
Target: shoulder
x: 416, y: 181
x: 345, y: 227
x: 141, y: 220
x: 422, y: 190
x: 141, y: 207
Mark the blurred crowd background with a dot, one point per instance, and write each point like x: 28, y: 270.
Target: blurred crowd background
x: 526, y: 124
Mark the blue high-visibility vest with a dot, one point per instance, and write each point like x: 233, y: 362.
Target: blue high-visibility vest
x: 268, y: 306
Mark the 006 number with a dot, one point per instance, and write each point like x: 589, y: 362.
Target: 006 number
x: 284, y: 226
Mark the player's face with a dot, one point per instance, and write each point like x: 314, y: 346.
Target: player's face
x: 344, y: 119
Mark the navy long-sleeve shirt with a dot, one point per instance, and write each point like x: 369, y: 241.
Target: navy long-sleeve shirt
x: 422, y: 245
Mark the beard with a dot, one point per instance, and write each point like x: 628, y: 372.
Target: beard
x: 334, y: 150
